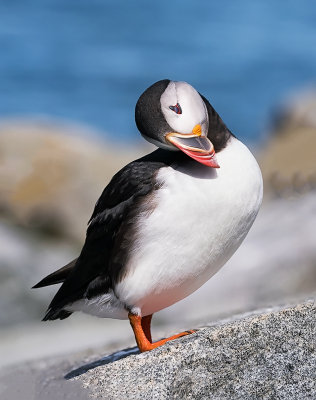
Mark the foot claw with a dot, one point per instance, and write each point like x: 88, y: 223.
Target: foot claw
x: 189, y: 332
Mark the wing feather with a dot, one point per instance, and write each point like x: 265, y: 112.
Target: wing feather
x: 114, y: 211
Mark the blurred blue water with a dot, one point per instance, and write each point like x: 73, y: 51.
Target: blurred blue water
x: 89, y: 60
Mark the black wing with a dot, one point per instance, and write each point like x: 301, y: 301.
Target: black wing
x: 109, y: 234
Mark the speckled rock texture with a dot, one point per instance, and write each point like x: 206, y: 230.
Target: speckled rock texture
x: 269, y: 355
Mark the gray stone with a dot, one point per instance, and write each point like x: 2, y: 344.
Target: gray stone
x: 269, y: 355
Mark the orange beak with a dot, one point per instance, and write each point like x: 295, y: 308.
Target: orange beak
x: 195, y: 145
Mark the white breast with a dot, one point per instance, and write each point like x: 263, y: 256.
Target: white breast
x: 202, y: 216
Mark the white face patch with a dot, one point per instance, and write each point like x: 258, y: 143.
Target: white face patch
x: 192, y: 106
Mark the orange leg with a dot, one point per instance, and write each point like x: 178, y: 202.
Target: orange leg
x: 145, y: 321
x: 141, y: 328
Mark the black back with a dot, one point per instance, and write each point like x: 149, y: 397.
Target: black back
x: 111, y: 232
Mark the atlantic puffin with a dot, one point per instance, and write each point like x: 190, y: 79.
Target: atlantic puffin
x: 167, y: 222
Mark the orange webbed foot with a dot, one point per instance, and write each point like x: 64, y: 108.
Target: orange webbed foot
x: 141, y: 328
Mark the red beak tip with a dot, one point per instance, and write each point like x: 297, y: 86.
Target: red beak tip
x: 210, y: 163
x: 208, y: 160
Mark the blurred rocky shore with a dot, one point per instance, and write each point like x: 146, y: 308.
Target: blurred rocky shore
x: 50, y: 179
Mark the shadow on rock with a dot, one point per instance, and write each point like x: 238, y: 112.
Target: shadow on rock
x: 118, y: 355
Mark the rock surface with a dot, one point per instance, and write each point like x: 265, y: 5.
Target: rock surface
x: 269, y: 355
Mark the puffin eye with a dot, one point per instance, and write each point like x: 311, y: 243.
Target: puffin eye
x: 176, y: 108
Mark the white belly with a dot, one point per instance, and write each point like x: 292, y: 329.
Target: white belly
x: 200, y: 220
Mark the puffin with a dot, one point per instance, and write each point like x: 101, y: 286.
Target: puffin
x: 166, y: 222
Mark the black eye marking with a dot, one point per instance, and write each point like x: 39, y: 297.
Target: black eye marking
x: 176, y: 108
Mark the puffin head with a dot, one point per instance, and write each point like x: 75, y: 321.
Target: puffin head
x: 174, y: 116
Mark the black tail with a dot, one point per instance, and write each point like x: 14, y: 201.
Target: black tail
x: 58, y: 276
